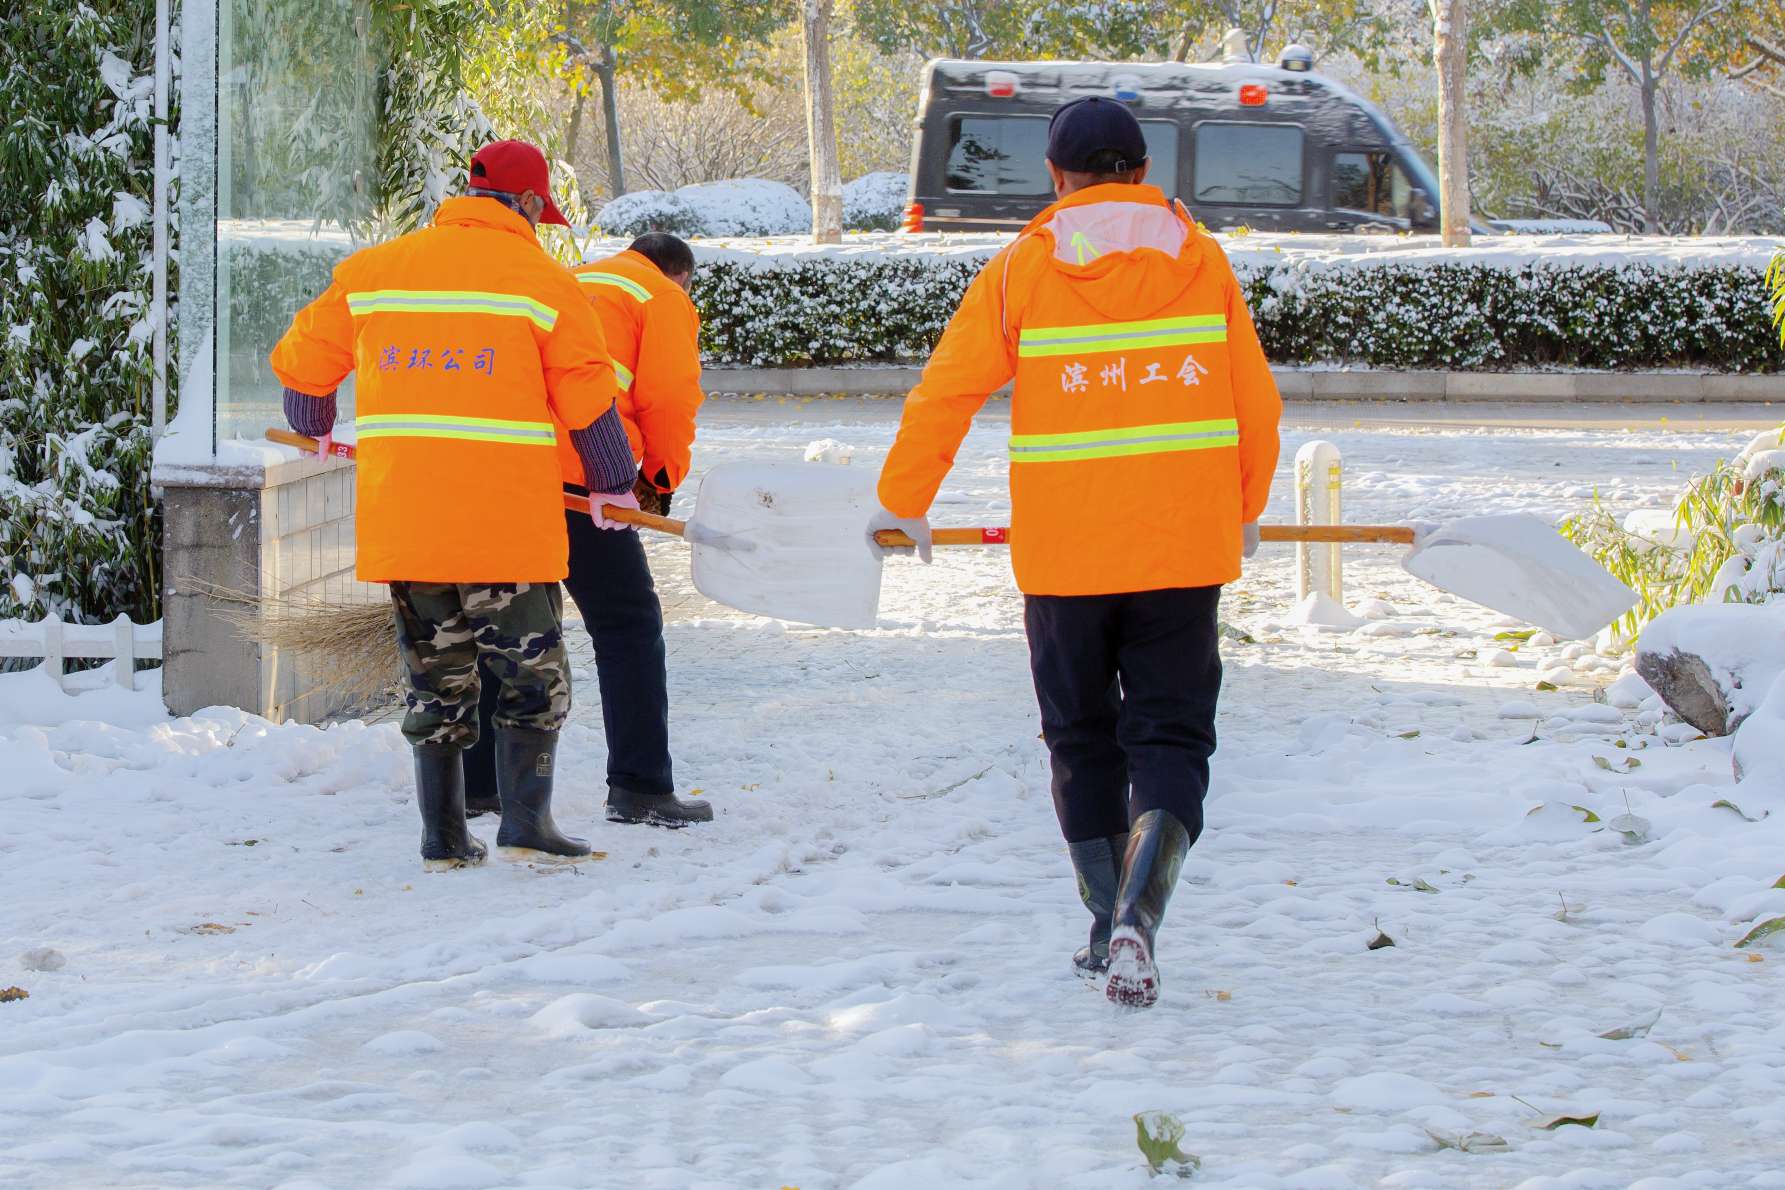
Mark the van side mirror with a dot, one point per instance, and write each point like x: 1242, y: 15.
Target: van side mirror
x: 1422, y: 215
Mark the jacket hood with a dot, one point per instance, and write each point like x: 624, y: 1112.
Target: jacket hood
x: 1119, y: 242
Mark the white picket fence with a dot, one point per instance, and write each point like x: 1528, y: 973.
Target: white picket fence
x: 123, y: 640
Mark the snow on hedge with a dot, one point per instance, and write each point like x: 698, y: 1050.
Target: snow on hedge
x: 1507, y: 302
x: 738, y: 207
x: 876, y: 201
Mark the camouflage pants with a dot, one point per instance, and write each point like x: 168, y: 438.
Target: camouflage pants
x: 518, y: 627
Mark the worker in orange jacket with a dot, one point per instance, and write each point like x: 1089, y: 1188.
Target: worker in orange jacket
x: 652, y: 332
x: 1137, y: 371
x: 471, y: 347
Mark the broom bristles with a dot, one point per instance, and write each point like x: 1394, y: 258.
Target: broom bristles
x: 351, y: 645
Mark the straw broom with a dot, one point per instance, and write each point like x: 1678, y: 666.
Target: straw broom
x: 351, y: 645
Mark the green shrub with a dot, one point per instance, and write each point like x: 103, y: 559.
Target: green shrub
x: 1464, y: 317
x: 79, y: 533
x: 1730, y: 526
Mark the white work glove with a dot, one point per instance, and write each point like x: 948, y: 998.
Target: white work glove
x: 619, y: 500
x: 916, y: 528
x: 1249, y: 539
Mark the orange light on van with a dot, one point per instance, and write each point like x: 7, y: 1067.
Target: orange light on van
x: 913, y: 217
x: 1000, y: 84
x: 1253, y: 95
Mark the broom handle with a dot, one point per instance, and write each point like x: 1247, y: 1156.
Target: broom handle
x: 575, y: 503
x: 1341, y: 534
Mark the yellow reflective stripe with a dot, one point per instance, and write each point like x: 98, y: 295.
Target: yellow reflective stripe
x: 623, y: 283
x: 1168, y: 438
x: 374, y: 419
x: 448, y: 301
x: 470, y: 429
x: 505, y: 436
x: 624, y: 375
x: 1122, y: 336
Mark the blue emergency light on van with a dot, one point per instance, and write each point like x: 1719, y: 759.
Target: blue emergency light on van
x: 1275, y: 148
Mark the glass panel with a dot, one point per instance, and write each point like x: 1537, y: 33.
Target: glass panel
x: 1254, y: 165
x: 296, y: 168
x: 1162, y: 154
x: 998, y: 155
x: 1370, y: 182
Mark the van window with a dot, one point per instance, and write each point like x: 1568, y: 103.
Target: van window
x: 1370, y: 182
x: 998, y: 155
x: 1254, y: 165
x: 1162, y: 155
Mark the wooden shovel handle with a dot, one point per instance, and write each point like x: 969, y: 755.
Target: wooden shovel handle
x: 339, y: 450
x: 1342, y: 534
x: 575, y: 503
x: 629, y: 516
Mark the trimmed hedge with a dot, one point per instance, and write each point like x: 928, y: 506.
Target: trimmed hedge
x: 1456, y: 317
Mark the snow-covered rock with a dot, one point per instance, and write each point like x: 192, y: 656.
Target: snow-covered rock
x: 876, y: 201
x: 1714, y: 664
x: 1758, y: 750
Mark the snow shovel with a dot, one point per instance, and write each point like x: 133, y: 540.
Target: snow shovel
x: 786, y: 542
x: 1515, y: 564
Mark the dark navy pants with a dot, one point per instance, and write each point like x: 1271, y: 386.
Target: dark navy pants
x: 1128, y: 686
x: 610, y: 583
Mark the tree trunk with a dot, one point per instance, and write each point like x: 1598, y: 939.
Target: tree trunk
x: 1450, y: 52
x: 1651, y: 153
x: 610, y: 114
x: 821, y: 129
x: 573, y: 134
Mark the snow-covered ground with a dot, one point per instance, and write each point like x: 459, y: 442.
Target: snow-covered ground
x: 858, y: 977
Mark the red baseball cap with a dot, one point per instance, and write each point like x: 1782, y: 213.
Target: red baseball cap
x: 514, y: 167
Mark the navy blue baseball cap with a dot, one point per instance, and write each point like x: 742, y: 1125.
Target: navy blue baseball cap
x: 1085, y: 127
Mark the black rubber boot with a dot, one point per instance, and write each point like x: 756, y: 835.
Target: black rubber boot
x: 477, y: 804
x: 525, y: 762
x: 1098, y: 865
x: 655, y: 809
x: 1157, y: 845
x: 446, y: 843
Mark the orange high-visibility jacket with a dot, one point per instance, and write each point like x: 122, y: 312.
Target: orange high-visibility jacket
x: 470, y: 344
x: 1144, y: 417
x: 653, y: 333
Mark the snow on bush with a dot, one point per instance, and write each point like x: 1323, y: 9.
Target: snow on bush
x: 1723, y: 541
x: 737, y: 207
x: 1354, y: 301
x: 876, y: 201
x: 78, y: 528
x: 1504, y: 310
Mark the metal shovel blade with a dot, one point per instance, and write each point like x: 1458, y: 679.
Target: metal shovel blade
x: 1517, y: 564
x: 789, y: 541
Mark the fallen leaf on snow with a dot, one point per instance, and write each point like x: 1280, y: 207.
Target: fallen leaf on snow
x: 1471, y: 1142
x: 1633, y: 827
x: 1158, y: 1133
x: 1724, y: 803
x: 1765, y: 929
x: 8, y: 995
x: 1632, y: 1031
x: 1554, y: 1122
x: 209, y: 927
